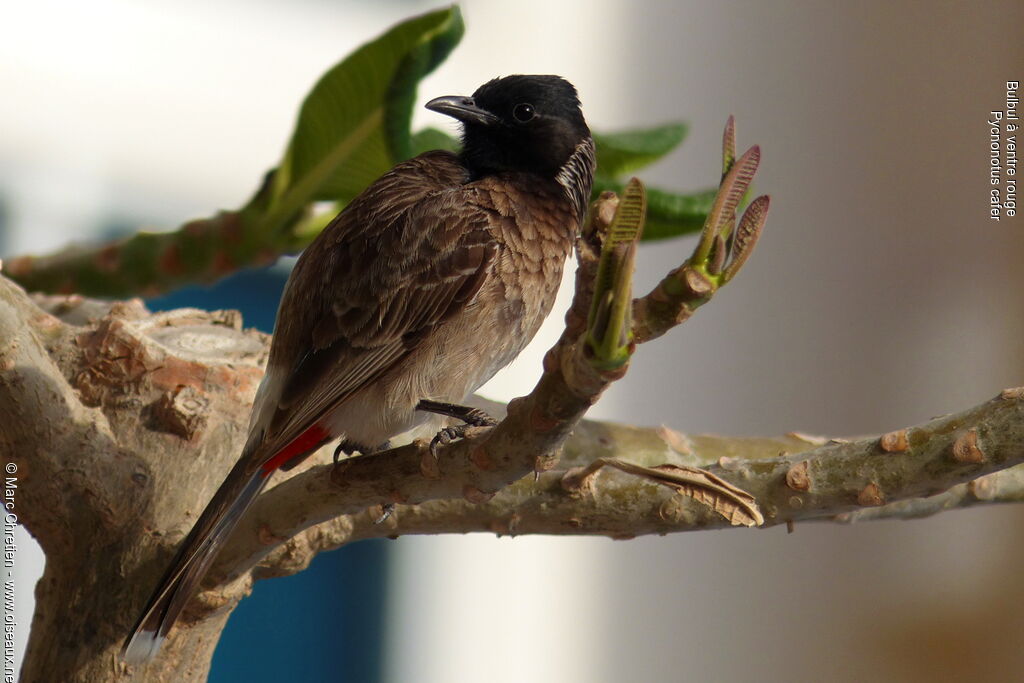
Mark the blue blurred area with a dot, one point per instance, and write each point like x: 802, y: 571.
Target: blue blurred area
x: 255, y: 293
x: 325, y: 623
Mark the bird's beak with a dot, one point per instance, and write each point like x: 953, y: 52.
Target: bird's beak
x: 462, y: 109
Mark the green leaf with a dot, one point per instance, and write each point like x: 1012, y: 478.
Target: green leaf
x: 729, y: 145
x: 669, y: 214
x: 354, y: 124
x: 731, y: 192
x: 625, y: 152
x: 617, y: 153
x: 432, y: 138
x: 609, y: 322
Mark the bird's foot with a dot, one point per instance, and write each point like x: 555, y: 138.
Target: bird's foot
x: 471, y: 417
x: 350, y: 448
x: 447, y: 435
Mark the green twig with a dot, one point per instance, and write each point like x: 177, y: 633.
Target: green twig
x: 720, y: 253
x: 608, y: 330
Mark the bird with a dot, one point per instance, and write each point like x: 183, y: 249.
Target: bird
x: 426, y: 284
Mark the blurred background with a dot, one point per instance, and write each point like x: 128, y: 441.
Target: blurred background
x: 880, y: 295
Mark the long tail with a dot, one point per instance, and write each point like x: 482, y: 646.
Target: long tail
x: 189, y: 565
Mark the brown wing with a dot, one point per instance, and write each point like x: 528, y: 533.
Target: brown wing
x: 403, y: 257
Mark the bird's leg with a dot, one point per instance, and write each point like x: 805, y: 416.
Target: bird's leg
x: 474, y: 417
x: 471, y: 417
x: 349, y: 448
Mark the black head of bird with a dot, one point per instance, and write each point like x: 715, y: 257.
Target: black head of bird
x: 518, y: 123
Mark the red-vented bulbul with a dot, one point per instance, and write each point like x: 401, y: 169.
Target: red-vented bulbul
x: 428, y: 283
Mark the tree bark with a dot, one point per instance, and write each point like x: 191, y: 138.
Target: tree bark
x: 121, y: 423
x: 117, y: 425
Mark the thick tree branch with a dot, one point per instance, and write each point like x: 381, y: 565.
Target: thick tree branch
x: 117, y: 425
x: 100, y: 401
x: 121, y: 424
x: 922, y: 470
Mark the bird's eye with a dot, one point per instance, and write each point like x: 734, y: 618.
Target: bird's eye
x: 523, y: 112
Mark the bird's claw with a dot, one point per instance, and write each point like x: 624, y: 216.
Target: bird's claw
x: 446, y: 435
x: 471, y: 417
x: 385, y: 511
x: 345, y: 447
x: 478, y: 418
x: 350, y: 448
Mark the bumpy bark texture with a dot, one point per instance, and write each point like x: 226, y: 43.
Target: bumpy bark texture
x: 122, y: 423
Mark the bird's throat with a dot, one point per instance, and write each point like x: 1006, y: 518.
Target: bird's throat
x: 576, y: 176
